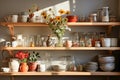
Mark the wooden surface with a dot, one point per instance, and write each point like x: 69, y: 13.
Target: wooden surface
x: 69, y: 24
x: 61, y: 48
x: 60, y: 73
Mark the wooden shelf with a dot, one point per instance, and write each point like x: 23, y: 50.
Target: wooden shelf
x: 69, y: 24
x: 61, y: 48
x: 60, y: 73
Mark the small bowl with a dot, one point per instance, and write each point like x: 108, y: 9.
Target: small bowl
x: 5, y: 69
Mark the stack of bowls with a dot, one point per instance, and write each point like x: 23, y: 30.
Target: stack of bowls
x: 107, y: 63
x: 91, y: 67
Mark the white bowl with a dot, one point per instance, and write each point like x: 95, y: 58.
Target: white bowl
x: 107, y: 67
x: 107, y: 59
x: 5, y: 69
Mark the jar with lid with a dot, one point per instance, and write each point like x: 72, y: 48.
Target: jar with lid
x: 93, y: 17
x: 105, y: 14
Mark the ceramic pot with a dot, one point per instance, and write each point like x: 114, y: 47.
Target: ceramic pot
x: 32, y: 66
x: 23, y: 67
x: 72, y: 18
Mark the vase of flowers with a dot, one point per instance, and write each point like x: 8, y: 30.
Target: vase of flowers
x: 57, y: 24
x: 22, y: 56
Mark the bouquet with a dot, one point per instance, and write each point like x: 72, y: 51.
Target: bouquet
x: 58, y: 24
x: 22, y: 56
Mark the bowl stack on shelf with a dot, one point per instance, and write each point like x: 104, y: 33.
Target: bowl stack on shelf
x: 107, y: 63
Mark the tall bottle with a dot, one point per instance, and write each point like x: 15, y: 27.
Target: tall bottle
x: 105, y: 14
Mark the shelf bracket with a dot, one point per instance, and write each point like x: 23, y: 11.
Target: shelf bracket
x: 11, y: 53
x: 109, y: 30
x: 11, y: 28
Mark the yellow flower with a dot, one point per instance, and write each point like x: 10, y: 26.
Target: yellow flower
x: 44, y: 13
x: 61, y: 11
x: 67, y: 12
x: 57, y: 18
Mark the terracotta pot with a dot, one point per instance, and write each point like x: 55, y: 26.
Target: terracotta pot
x: 23, y: 67
x: 72, y: 18
x: 32, y: 66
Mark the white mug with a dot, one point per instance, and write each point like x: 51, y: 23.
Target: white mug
x: 24, y: 18
x: 42, y: 67
x: 14, y: 18
x: 106, y: 42
x: 114, y: 42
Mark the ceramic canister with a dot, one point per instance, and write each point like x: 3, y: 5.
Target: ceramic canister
x: 114, y: 42
x: 106, y: 42
x: 15, y: 18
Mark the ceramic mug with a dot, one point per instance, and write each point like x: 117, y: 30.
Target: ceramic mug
x: 14, y: 18
x: 114, y: 42
x: 24, y: 18
x: 106, y: 42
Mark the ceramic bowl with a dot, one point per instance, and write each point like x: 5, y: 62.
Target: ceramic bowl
x: 107, y: 59
x: 5, y: 69
x: 107, y: 67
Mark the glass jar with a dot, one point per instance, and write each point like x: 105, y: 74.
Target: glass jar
x: 93, y: 17
x: 31, y: 41
x: 105, y: 14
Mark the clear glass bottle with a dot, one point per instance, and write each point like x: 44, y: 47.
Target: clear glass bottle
x: 31, y: 41
x: 19, y: 40
x: 105, y: 14
x: 38, y: 41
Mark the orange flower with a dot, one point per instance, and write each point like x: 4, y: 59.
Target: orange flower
x: 61, y: 11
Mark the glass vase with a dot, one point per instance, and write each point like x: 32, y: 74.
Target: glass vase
x: 59, y: 42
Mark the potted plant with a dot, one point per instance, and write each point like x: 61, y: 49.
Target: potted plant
x: 33, y: 57
x: 23, y: 58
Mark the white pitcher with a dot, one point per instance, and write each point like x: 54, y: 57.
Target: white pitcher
x: 14, y: 65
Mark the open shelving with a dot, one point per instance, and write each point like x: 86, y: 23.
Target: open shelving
x: 108, y: 25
